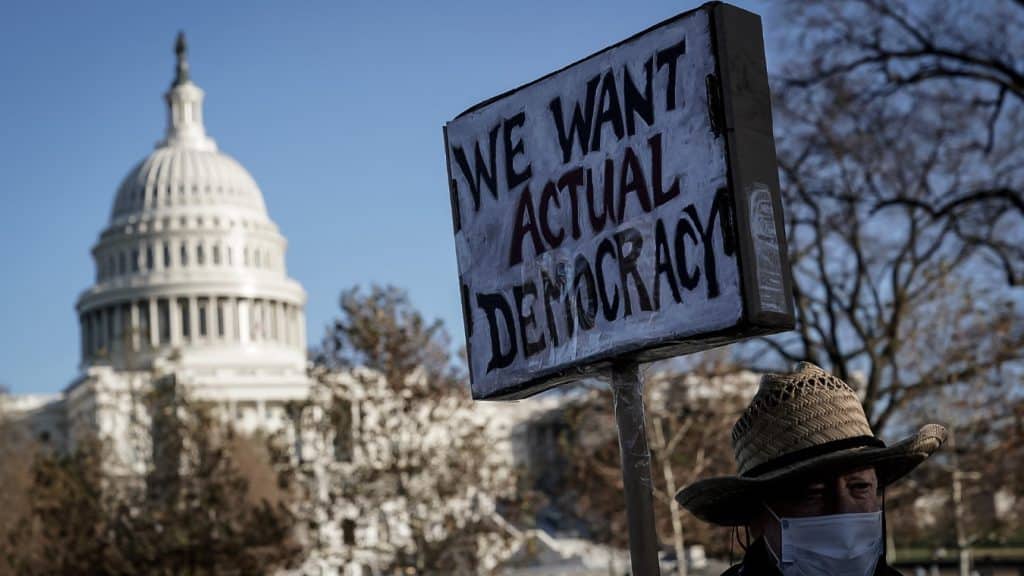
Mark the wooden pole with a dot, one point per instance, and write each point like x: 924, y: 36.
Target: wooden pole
x: 628, y: 396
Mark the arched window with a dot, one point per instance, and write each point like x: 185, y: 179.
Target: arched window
x: 149, y: 256
x: 200, y: 255
x: 184, y: 254
x: 167, y: 254
x: 216, y: 254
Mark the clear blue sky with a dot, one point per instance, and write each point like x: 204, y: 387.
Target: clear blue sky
x: 335, y: 107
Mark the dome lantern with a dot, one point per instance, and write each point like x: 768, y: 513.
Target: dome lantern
x: 185, y: 106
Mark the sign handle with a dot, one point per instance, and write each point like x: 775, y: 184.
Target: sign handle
x: 628, y: 398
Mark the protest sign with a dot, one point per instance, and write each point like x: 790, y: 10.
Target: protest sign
x: 626, y: 206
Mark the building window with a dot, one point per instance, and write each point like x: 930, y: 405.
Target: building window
x: 246, y: 259
x: 135, y: 260
x: 167, y: 254
x: 341, y: 421
x: 200, y: 255
x: 97, y: 326
x: 216, y: 254
x: 163, y: 313
x: 121, y: 263
x: 184, y: 254
x: 143, y: 308
x: 348, y: 531
x: 228, y: 248
x: 256, y: 257
x: 108, y: 314
x: 202, y: 308
x: 186, y: 326
x: 86, y: 336
x: 149, y: 256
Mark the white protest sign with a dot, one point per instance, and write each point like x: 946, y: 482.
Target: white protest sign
x: 603, y: 211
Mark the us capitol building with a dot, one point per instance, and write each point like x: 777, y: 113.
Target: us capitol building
x: 191, y: 282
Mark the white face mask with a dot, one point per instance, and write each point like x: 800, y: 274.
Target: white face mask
x: 838, y: 545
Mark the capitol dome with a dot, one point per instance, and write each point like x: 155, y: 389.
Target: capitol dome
x: 190, y: 266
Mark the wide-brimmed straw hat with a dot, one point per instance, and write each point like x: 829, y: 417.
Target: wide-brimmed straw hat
x: 801, y: 424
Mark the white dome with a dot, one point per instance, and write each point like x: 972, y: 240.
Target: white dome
x: 176, y: 176
x: 190, y: 264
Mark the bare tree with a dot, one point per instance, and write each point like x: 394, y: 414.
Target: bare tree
x: 954, y: 58
x: 192, y: 514
x: 902, y: 188
x: 408, y: 456
x: 691, y: 407
x: 691, y: 416
x: 900, y: 128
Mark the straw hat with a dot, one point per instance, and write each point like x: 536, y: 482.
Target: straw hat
x: 799, y: 424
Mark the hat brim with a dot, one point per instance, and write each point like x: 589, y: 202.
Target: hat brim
x: 735, y: 500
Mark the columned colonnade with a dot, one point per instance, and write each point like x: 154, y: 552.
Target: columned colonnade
x: 156, y: 322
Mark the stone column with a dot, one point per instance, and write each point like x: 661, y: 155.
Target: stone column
x: 286, y: 310
x: 133, y: 311
x: 158, y: 255
x: 282, y: 322
x: 243, y: 320
x: 229, y: 324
